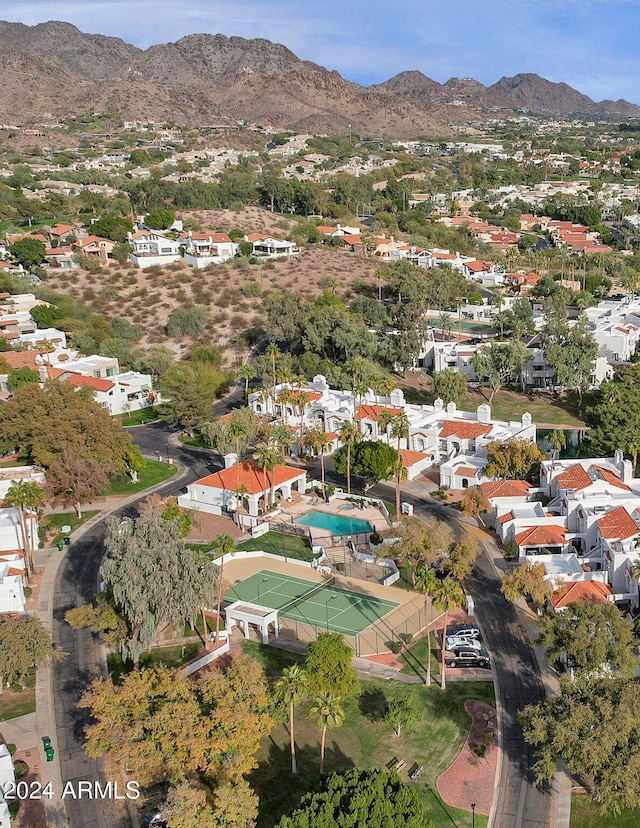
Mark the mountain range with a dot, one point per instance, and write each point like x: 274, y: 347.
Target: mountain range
x: 53, y: 70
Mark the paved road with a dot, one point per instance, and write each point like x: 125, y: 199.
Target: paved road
x: 518, y: 683
x: 76, y: 584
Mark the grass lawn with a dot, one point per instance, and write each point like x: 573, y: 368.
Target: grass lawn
x: 140, y: 417
x: 16, y: 704
x: 197, y: 440
x: 168, y: 656
x: 365, y: 741
x: 415, y: 658
x: 49, y: 522
x: 154, y: 472
x: 584, y: 814
x: 277, y: 543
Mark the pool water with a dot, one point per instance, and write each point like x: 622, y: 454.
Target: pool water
x: 336, y: 524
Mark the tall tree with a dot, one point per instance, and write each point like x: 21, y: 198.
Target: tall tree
x: 328, y: 711
x: 592, y: 638
x: 497, y: 363
x: 556, y: 439
x: 426, y: 582
x: 189, y: 389
x: 449, y: 595
x: 449, y: 386
x: 328, y: 667
x: 527, y: 579
x: 74, y: 479
x: 513, y: 458
x: 349, y: 435
x: 316, y: 439
x: 592, y: 725
x: 224, y: 545
x: 24, y: 645
x: 154, y: 578
x: 27, y: 498
x: 571, y: 353
x: 400, y: 713
x: 268, y: 458
x: 289, y: 689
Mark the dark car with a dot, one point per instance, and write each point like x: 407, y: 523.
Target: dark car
x: 465, y: 631
x: 461, y: 657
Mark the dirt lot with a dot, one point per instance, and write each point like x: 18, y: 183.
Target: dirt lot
x: 147, y: 297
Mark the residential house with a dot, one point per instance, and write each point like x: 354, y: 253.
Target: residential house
x: 149, y: 248
x: 243, y: 487
x: 95, y: 246
x: 60, y: 232
x: 202, y: 249
x: 7, y: 781
x: 266, y: 247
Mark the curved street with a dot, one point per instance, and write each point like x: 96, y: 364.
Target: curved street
x: 518, y: 803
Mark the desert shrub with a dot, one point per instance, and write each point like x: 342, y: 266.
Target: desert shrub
x: 187, y: 322
x: 251, y: 289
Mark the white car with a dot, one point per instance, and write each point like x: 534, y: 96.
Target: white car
x: 453, y: 641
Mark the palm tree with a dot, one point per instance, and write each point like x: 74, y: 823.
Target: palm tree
x: 400, y: 427
x: 224, y: 545
x: 285, y: 396
x: 329, y: 713
x: 273, y: 352
x: 385, y: 419
x: 290, y: 688
x: 427, y: 583
x: 448, y: 594
x: 267, y: 458
x: 302, y: 399
x: 556, y: 440
x: 281, y: 436
x: 348, y: 436
x: 446, y: 325
x: 26, y: 497
x: 237, y: 430
x: 247, y: 372
x: 397, y: 469
x: 318, y: 442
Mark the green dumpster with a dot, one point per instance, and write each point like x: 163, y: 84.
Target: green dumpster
x: 60, y: 546
x: 49, y: 751
x: 67, y: 541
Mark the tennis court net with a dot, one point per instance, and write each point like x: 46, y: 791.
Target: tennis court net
x: 330, y: 581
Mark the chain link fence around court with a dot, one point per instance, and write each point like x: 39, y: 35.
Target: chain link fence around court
x: 401, y: 622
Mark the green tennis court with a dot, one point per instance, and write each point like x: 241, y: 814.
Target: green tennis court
x: 322, y: 605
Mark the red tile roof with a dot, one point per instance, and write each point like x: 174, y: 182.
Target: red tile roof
x: 409, y: 458
x: 20, y: 359
x: 506, y: 488
x: 611, y: 478
x: 250, y: 476
x: 506, y: 517
x: 574, y: 477
x: 466, y: 471
x: 464, y: 430
x: 92, y: 382
x: 550, y: 535
x: 617, y: 524
x: 373, y: 412
x: 593, y: 591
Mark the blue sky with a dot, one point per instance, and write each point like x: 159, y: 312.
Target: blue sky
x: 590, y: 45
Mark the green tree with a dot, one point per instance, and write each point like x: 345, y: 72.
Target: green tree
x: 140, y: 571
x: 497, y: 363
x: 460, y: 558
x: 426, y: 582
x: 187, y: 806
x: 614, y: 417
x: 101, y: 618
x: 527, y: 579
x: 593, y: 726
x: 328, y: 711
x: 318, y: 442
x: 111, y: 227
x: 121, y: 251
x: 513, y: 458
x: 360, y: 799
x: 42, y: 423
x: 224, y: 545
x: 289, y: 689
x: 189, y: 389
x: 449, y: 386
x: 28, y: 251
x: 24, y: 645
x: 27, y: 498
x: 592, y: 638
x: 268, y: 458
x: 236, y: 805
x: 401, y: 713
x: 571, y: 353
x: 349, y: 435
x: 160, y: 218
x: 421, y: 543
x: 370, y: 458
x: 328, y: 667
x: 449, y: 595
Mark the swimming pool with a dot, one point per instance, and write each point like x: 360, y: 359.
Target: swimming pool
x: 336, y: 524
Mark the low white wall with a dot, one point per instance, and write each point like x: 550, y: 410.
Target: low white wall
x: 258, y: 553
x: 189, y: 669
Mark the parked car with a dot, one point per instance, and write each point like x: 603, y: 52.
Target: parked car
x: 465, y: 631
x: 466, y: 657
x: 453, y: 641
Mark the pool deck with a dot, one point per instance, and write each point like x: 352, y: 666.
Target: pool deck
x: 315, y: 504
